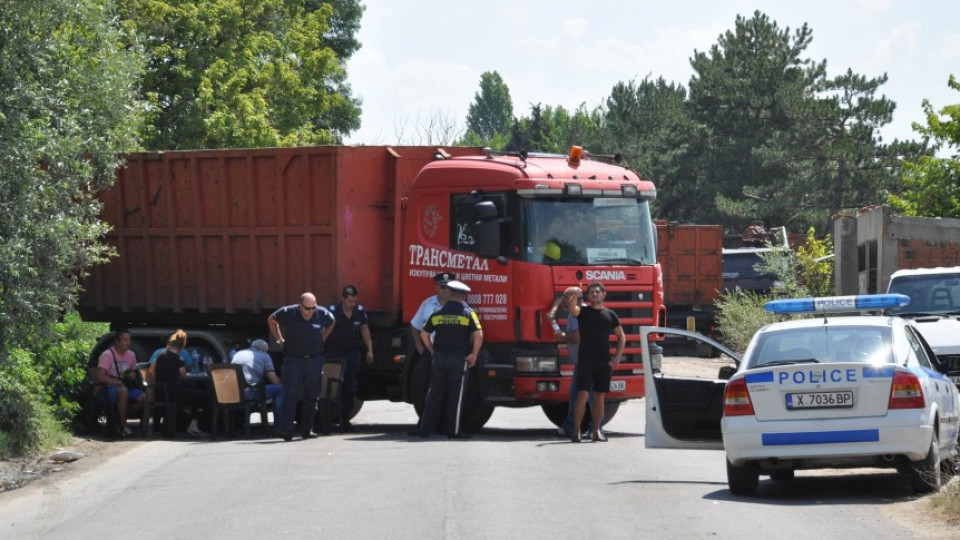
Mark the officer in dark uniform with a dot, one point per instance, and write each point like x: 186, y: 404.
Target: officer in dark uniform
x: 457, y: 341
x: 349, y: 339
x: 300, y: 329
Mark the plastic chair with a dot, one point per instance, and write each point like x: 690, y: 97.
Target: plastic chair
x: 167, y: 401
x: 330, y: 394
x: 228, y: 385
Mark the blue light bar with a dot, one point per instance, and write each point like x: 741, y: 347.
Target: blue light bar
x: 837, y: 304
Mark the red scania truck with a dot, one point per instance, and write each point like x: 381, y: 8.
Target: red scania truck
x: 214, y: 241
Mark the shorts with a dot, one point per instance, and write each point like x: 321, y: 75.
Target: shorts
x: 132, y: 395
x: 593, y: 376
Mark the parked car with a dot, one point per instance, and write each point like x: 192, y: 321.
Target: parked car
x: 815, y: 393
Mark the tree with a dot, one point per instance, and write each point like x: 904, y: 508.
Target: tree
x: 785, y: 143
x: 246, y: 73
x: 650, y: 124
x: 932, y: 184
x: 752, y: 86
x: 490, y: 116
x: 68, y: 108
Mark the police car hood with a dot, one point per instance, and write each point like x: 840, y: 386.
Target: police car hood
x: 942, y: 333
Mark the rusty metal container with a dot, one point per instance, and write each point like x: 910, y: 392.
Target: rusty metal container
x: 227, y: 236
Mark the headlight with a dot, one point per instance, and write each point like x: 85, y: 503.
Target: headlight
x: 537, y: 364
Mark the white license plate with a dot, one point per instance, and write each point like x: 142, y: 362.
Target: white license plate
x: 618, y: 386
x: 819, y: 400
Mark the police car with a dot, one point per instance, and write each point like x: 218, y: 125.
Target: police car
x: 822, y: 392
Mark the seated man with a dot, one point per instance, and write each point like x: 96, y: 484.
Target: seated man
x: 257, y: 365
x: 115, y: 368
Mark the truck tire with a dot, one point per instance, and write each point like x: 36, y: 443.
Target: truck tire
x: 743, y: 480
x: 473, y: 412
x: 557, y: 413
x: 926, y: 475
x: 419, y: 384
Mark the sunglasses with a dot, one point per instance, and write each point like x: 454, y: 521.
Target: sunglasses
x: 308, y: 308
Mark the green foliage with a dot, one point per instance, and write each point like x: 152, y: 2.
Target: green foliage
x: 62, y: 364
x: 246, y: 73
x: 932, y: 184
x: 27, y: 422
x: 491, y: 113
x: 816, y: 276
x: 68, y: 108
x: 740, y: 313
x: 553, y: 129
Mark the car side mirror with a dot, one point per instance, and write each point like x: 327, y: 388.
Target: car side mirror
x: 726, y: 372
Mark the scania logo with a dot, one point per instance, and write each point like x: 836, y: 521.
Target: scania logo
x: 610, y: 275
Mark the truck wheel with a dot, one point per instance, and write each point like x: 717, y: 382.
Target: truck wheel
x: 743, y: 480
x: 473, y: 412
x: 926, y: 474
x: 357, y: 405
x: 419, y: 384
x: 557, y: 413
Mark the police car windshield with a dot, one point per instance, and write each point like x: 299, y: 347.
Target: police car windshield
x: 823, y: 344
x: 930, y: 294
x: 602, y: 231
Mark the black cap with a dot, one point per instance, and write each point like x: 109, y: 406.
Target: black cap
x: 349, y: 290
x: 444, y: 277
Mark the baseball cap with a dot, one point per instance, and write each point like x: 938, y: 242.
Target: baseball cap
x: 349, y: 290
x: 259, y: 345
x: 458, y: 286
x: 444, y: 278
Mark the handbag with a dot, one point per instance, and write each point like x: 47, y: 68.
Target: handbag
x: 134, y: 382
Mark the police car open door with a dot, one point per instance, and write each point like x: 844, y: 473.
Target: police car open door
x: 684, y: 396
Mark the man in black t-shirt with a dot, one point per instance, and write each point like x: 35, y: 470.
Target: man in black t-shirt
x: 594, y: 366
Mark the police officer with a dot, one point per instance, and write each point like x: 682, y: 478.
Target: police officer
x: 454, y: 347
x: 300, y: 329
x: 427, y: 307
x: 349, y: 339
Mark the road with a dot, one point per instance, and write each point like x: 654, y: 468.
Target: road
x: 513, y: 480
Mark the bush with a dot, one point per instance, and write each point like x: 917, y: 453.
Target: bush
x: 27, y: 423
x: 42, y: 388
x: 740, y: 313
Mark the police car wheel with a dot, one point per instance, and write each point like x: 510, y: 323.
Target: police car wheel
x: 926, y: 474
x: 743, y: 480
x: 782, y: 475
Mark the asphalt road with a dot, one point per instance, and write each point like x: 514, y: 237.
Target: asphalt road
x: 513, y: 480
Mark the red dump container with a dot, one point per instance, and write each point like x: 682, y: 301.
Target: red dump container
x: 227, y: 236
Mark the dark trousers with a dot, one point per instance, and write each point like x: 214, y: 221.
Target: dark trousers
x: 350, y: 373
x: 300, y: 377
x: 447, y: 379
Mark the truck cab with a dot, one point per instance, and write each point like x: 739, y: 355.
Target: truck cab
x: 519, y: 229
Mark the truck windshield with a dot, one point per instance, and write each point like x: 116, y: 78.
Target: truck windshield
x: 929, y: 293
x: 600, y: 231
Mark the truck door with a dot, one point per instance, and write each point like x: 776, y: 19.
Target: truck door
x: 684, y: 396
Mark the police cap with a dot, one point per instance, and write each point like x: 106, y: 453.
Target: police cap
x: 444, y: 277
x: 349, y: 290
x: 458, y: 287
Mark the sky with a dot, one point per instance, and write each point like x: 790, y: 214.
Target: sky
x: 420, y: 61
